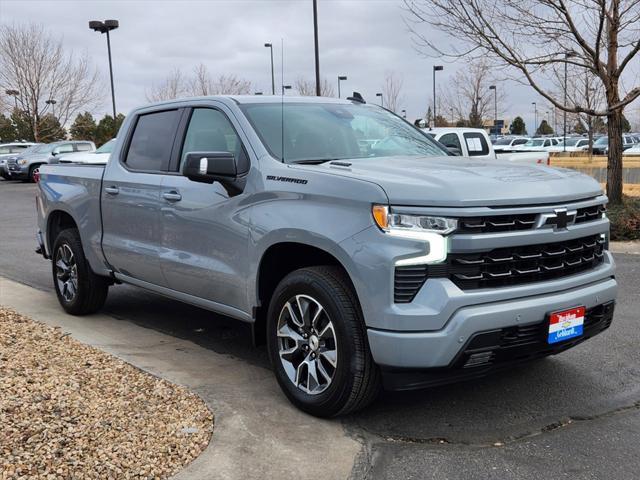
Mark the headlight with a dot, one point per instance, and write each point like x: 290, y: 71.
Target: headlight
x: 430, y: 229
x: 22, y: 161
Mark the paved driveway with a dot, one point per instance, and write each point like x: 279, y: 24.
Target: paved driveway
x: 572, y: 416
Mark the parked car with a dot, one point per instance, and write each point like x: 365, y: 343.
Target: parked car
x: 475, y: 143
x: 505, y: 144
x: 9, y: 149
x: 27, y: 165
x: 635, y: 150
x: 15, y: 151
x: 601, y: 145
x: 100, y: 156
x: 386, y: 263
x: 538, y: 144
x: 573, y: 144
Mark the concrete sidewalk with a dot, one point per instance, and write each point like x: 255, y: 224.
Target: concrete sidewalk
x: 625, y: 247
x: 257, y: 433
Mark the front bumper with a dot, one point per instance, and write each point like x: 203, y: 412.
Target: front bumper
x: 440, y: 349
x: 17, y: 172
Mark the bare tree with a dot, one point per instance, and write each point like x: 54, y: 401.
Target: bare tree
x: 307, y: 88
x: 469, y: 95
x: 391, y: 91
x: 537, y: 38
x: 200, y: 84
x: 34, y: 64
x: 171, y: 87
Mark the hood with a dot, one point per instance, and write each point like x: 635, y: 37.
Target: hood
x: 458, y: 181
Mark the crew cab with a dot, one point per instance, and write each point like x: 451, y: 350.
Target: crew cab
x: 356, y: 246
x: 475, y: 143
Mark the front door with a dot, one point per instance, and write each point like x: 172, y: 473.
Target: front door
x: 205, y: 231
x: 131, y: 198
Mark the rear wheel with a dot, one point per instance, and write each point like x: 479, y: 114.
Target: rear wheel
x: 79, y: 290
x: 317, y: 343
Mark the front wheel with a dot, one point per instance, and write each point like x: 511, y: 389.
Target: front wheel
x: 79, y: 290
x: 318, y: 345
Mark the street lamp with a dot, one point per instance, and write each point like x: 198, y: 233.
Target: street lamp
x: 340, y: 78
x: 495, y: 107
x: 53, y: 106
x: 381, y: 99
x: 567, y: 55
x: 14, y: 94
x: 535, y: 121
x: 273, y: 78
x: 436, y: 68
x: 106, y: 27
x: 285, y: 87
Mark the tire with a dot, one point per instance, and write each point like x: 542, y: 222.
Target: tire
x: 354, y: 381
x: 79, y: 290
x: 32, y: 171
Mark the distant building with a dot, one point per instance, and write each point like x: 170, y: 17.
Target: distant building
x: 497, y: 127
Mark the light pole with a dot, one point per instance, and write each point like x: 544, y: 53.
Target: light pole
x: 340, y: 78
x: 273, y: 78
x: 404, y: 113
x: 535, y: 116
x: 381, y: 99
x: 106, y: 27
x: 315, y: 38
x: 285, y: 87
x: 451, y: 116
x: 53, y: 106
x: 14, y: 94
x: 567, y: 55
x: 436, y: 68
x: 495, y: 107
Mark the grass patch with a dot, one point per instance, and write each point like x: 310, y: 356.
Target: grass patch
x: 625, y: 219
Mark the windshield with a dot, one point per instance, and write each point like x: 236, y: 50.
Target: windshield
x: 534, y: 143
x: 46, y: 148
x: 503, y: 141
x: 602, y: 141
x: 571, y: 142
x: 315, y: 132
x: 31, y: 149
x: 107, y: 147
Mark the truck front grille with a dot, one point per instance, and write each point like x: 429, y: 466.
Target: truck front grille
x: 525, y: 264
x: 527, y: 221
x: 505, y: 266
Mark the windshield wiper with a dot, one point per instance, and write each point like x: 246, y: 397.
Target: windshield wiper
x: 313, y: 161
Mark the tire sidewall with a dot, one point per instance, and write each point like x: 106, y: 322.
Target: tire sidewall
x: 305, y: 282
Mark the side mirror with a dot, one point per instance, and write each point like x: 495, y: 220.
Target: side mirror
x: 207, y: 167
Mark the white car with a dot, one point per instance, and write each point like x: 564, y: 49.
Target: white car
x: 635, y: 150
x: 98, y: 157
x: 507, y: 144
x: 539, y: 144
x: 475, y: 143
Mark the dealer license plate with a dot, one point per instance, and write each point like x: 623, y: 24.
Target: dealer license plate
x: 566, y: 324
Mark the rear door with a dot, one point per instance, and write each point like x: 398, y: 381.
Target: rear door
x: 131, y: 197
x: 205, y: 231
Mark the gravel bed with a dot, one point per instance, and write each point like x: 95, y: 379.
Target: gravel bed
x: 71, y: 411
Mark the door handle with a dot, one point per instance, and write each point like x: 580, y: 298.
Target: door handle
x: 112, y: 190
x: 172, y: 196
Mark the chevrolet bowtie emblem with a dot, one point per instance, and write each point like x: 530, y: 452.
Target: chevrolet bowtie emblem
x: 559, y: 219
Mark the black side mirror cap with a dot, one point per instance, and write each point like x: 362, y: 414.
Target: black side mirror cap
x: 207, y: 167
x: 454, y: 150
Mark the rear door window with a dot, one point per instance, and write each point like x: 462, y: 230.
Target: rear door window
x: 476, y: 144
x: 83, y: 147
x: 64, y: 148
x: 520, y: 141
x: 152, y: 140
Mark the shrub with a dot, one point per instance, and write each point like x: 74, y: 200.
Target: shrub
x: 625, y: 219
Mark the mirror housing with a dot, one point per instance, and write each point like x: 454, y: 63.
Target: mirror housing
x: 454, y: 150
x: 208, y: 167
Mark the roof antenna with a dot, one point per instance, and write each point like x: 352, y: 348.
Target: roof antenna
x: 356, y: 97
x: 282, y: 98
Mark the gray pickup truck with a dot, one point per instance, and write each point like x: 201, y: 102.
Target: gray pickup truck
x: 359, y: 250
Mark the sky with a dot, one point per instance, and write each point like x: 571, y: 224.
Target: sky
x: 362, y: 39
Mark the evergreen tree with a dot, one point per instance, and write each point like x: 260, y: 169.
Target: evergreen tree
x: 7, y: 129
x: 544, y: 129
x: 579, y: 128
x: 84, y: 127
x: 50, y: 129
x: 108, y: 128
x: 626, y: 126
x: 518, y: 126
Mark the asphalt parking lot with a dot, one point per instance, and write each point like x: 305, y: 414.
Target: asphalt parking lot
x: 572, y: 416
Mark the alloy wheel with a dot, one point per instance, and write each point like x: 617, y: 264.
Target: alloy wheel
x: 66, y: 273
x: 307, y: 344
